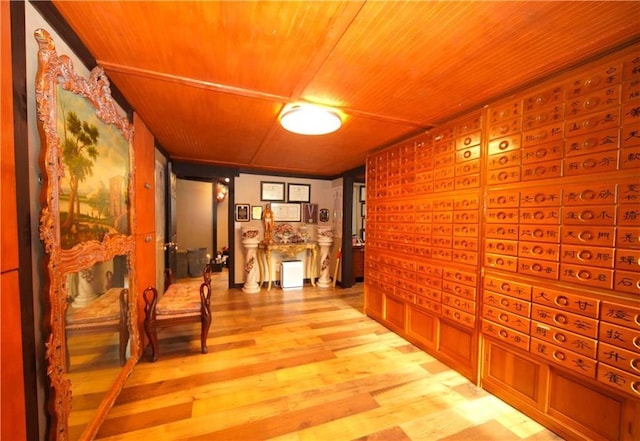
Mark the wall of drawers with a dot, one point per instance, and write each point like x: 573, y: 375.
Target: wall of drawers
x: 507, y: 244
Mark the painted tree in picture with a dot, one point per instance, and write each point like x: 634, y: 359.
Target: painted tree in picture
x: 95, y: 187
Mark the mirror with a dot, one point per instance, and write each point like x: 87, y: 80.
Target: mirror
x: 86, y: 227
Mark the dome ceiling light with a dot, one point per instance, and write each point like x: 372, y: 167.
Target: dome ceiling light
x: 309, y: 119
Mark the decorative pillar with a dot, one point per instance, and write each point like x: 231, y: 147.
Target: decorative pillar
x: 325, y: 240
x: 86, y: 292
x: 250, y: 242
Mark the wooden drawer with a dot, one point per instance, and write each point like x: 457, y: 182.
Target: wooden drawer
x: 459, y: 289
x: 506, y: 263
x: 534, y: 267
x: 592, y: 143
x: 441, y: 253
x: 503, y: 160
x: 466, y: 230
x: 463, y: 318
x: 630, y: 135
x: 467, y: 182
x: 567, y: 301
x: 470, y: 201
x: 568, y: 359
x: 620, y: 358
x: 592, y: 163
x: 442, y: 217
x: 502, y: 247
x: 589, y: 195
x: 627, y: 260
x: 434, y: 306
x: 548, y: 97
x: 541, y: 197
x: 506, y: 318
x: 587, y: 276
x: 593, y: 101
x: 458, y: 302
x: 460, y: 276
x: 427, y: 292
x: 506, y: 335
x: 465, y: 243
x: 629, y: 192
x: 596, y: 79
x: 539, y: 233
x: 591, y: 236
x: 542, y: 170
x: 543, y: 152
x: 619, y: 336
x: 468, y: 154
x: 630, y: 158
x: 628, y: 237
x: 503, y: 145
x: 443, y: 185
x: 591, y: 256
x: 467, y: 168
x: 446, y: 147
x: 444, y: 170
x: 514, y: 289
x: 539, y: 216
x: 543, y: 135
x: 565, y: 339
x: 541, y: 117
x: 631, y: 113
x: 466, y: 216
x: 468, y: 140
x: 539, y: 250
x: 502, y: 215
x: 509, y: 110
x: 565, y: 320
x: 507, y: 302
x: 592, y: 122
x: 498, y: 129
x: 619, y: 314
x: 598, y: 215
x: 472, y: 123
x: 503, y: 176
x: 498, y: 231
x: 628, y: 215
x: 627, y: 281
x: 442, y: 241
x: 503, y: 199
x: 619, y: 379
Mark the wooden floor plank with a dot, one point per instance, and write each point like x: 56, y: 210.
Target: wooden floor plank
x: 304, y: 364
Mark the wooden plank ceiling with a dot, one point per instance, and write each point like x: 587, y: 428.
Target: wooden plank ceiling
x: 210, y: 78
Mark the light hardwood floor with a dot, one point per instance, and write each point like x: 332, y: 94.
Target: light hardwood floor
x: 303, y: 364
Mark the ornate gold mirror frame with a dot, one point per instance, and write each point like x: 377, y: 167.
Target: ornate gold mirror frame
x: 85, y: 139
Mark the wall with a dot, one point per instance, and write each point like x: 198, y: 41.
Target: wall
x: 194, y: 208
x: 247, y: 191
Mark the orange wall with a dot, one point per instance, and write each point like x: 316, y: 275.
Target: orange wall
x: 12, y: 399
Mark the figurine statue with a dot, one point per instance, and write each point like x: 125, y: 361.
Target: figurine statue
x: 267, y: 218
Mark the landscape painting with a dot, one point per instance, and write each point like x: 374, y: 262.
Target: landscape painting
x: 94, y: 186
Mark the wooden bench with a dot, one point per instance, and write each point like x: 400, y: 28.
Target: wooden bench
x: 107, y: 313
x: 180, y: 304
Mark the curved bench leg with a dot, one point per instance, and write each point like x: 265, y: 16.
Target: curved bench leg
x: 152, y: 335
x: 206, y: 324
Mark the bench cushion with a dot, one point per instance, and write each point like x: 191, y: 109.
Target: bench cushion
x: 106, y: 307
x: 180, y: 298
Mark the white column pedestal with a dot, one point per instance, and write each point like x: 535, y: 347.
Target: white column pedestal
x: 250, y: 242
x: 324, y: 281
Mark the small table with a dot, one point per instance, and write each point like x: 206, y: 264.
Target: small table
x: 265, y: 251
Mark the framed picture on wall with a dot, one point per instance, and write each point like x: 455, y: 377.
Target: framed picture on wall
x: 363, y: 193
x: 310, y: 213
x: 324, y: 215
x: 298, y: 192
x: 363, y: 209
x: 272, y: 191
x: 256, y: 212
x: 242, y: 212
x: 286, y: 212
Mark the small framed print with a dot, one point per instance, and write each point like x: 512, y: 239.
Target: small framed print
x: 298, y: 193
x: 324, y: 215
x: 242, y: 212
x: 363, y: 209
x: 272, y: 191
x: 363, y: 193
x: 310, y: 213
x: 256, y: 212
